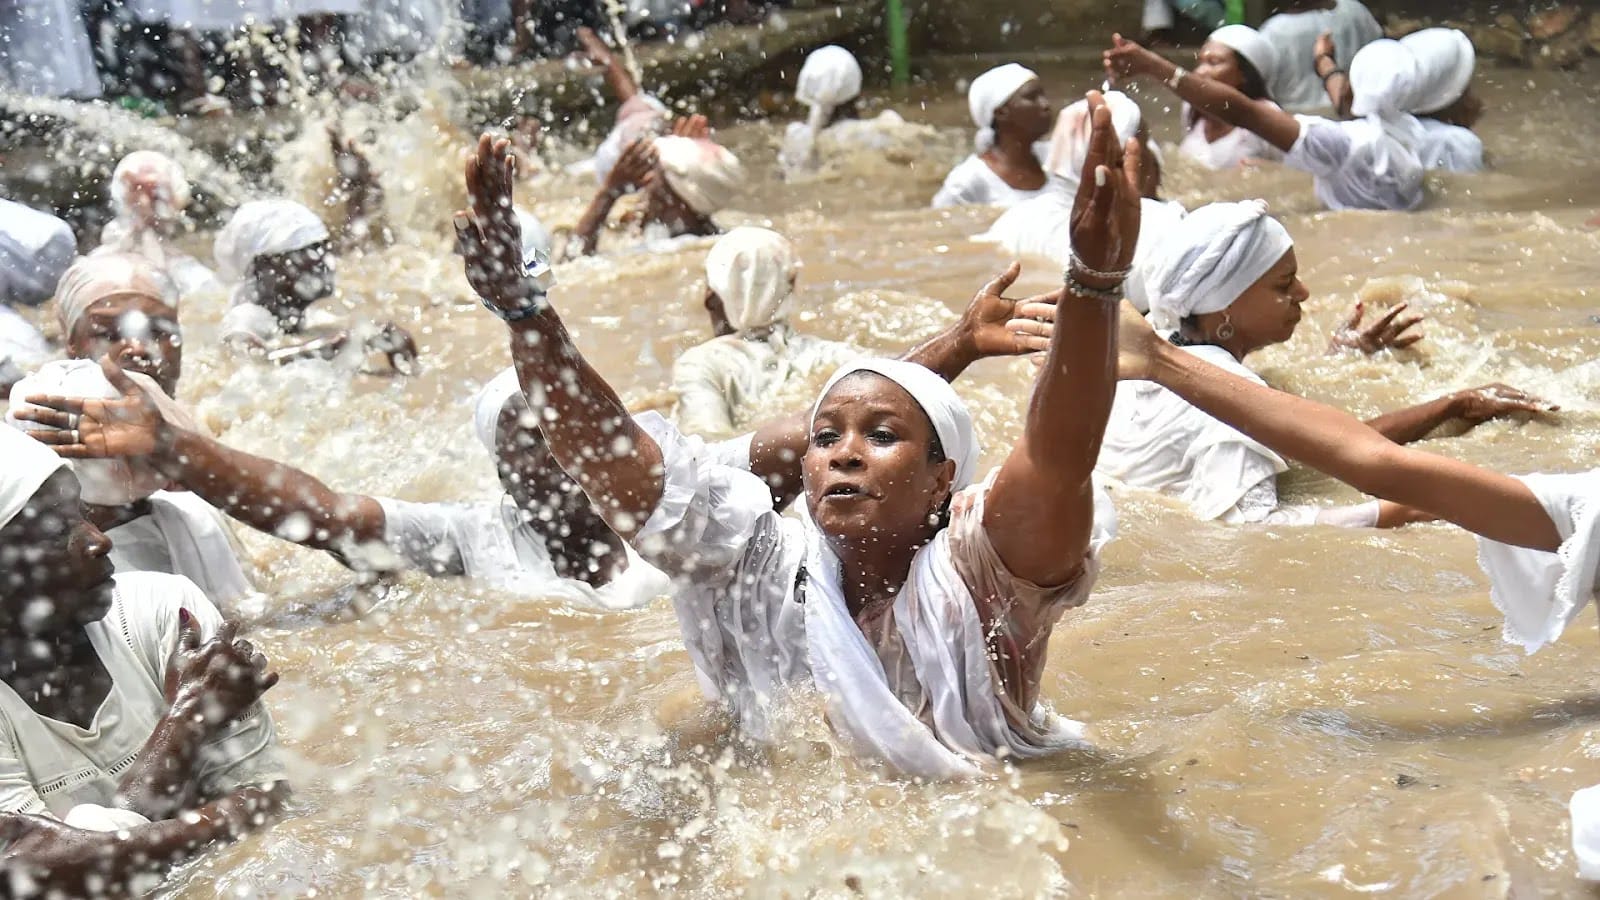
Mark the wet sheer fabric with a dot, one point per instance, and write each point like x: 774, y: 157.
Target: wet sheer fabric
x: 1294, y: 83
x: 55, y: 769
x: 1541, y: 593
x: 1357, y: 164
x: 973, y: 183
x: 22, y: 347
x: 731, y: 382
x: 184, y: 535
x: 1226, y: 152
x: 917, y: 688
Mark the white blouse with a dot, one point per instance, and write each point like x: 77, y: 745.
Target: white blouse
x: 1226, y: 152
x: 973, y: 183
x: 728, y: 382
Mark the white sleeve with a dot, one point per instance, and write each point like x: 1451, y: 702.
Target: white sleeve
x: 702, y: 399
x: 423, y: 534
x: 960, y: 188
x: 1585, y: 811
x: 17, y: 791
x: 249, y: 323
x: 1224, y: 473
x: 1321, y: 149
x: 1541, y: 593
x: 93, y: 817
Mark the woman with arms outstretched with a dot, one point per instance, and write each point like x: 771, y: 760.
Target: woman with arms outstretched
x: 919, y: 607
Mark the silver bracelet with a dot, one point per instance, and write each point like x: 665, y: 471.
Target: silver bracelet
x: 1111, y: 294
x: 1075, y: 263
x: 1177, y: 75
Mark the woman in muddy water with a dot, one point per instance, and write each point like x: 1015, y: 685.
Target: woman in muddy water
x: 892, y: 630
x: 1013, y: 116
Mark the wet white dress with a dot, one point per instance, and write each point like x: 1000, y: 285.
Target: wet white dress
x: 55, y: 769
x: 731, y: 381
x: 1294, y: 83
x: 1448, y: 147
x: 183, y: 535
x: 935, y: 685
x: 1226, y: 152
x: 45, y: 50
x: 22, y: 347
x: 973, y: 183
x: 1357, y: 164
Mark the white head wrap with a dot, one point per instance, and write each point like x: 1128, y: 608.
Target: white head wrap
x: 28, y: 465
x: 489, y: 402
x: 35, y: 248
x: 106, y: 482
x: 989, y: 92
x: 704, y: 173
x: 1445, y: 61
x: 830, y: 78
x: 1211, y: 257
x: 752, y: 270
x: 640, y: 115
x: 951, y: 420
x: 1248, y: 43
x: 150, y: 167
x: 1069, y: 142
x: 1383, y: 79
x: 94, y: 278
x: 264, y: 228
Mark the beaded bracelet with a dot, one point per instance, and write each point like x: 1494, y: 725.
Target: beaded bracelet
x: 1076, y: 263
x: 1113, y: 294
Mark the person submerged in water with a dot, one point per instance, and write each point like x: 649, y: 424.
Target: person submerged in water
x: 149, y: 196
x: 683, y: 176
x: 123, y: 307
x: 1241, y: 58
x: 726, y: 382
x: 917, y: 601
x: 1013, y: 116
x: 131, y: 729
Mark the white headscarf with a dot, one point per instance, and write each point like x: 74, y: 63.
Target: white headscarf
x: 28, y: 465
x: 489, y: 402
x: 1069, y: 142
x: 1211, y: 257
x: 830, y: 78
x: 1445, y: 61
x: 105, y: 482
x: 752, y: 270
x: 157, y: 169
x: 1248, y: 43
x: 704, y: 173
x: 264, y: 228
x: 951, y: 420
x: 1383, y: 79
x: 35, y: 248
x: 94, y: 278
x: 989, y: 92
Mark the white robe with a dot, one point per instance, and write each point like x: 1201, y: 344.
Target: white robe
x: 760, y: 622
x: 45, y: 50
x: 1294, y: 83
x: 973, y: 183
x: 55, y: 769
x: 1448, y: 147
x: 1226, y: 152
x: 183, y: 535
x: 1359, y: 164
x: 726, y: 383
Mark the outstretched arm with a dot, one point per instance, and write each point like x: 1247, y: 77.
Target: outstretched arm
x: 264, y: 494
x: 1126, y: 60
x: 1486, y: 503
x: 1474, y: 406
x: 1040, y: 509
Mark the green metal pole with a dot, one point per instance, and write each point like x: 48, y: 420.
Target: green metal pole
x: 899, y: 47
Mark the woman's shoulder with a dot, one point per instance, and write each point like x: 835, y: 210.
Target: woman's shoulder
x: 148, y: 602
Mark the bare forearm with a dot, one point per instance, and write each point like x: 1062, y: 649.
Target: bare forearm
x: 1071, y: 401
x: 1336, y: 83
x: 594, y: 218
x: 1406, y: 426
x: 264, y: 494
x: 1487, y: 503
x: 947, y: 353
x: 1225, y: 103
x: 590, y: 433
x: 161, y: 781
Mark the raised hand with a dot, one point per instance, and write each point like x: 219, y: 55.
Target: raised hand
x: 222, y: 678
x: 1137, y: 342
x: 1493, y: 401
x: 488, y: 235
x: 695, y: 126
x: 1392, y: 330
x: 635, y: 169
x: 397, y: 344
x: 1105, y: 212
x: 987, y: 321
x: 126, y: 426
x: 355, y: 170
x: 1127, y: 60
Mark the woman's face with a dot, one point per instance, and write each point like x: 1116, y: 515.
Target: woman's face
x: 138, y: 332
x: 1268, y: 311
x: 1028, y: 114
x: 54, y: 570
x: 870, y: 472
x: 1219, y: 63
x: 297, y: 279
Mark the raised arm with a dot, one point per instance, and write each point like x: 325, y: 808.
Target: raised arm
x: 1040, y: 510
x: 1335, y: 80
x: 1127, y: 60
x: 634, y: 169
x: 264, y: 494
x: 589, y: 431
x: 1486, y: 503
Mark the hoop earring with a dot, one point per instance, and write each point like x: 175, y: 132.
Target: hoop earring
x: 1225, y: 331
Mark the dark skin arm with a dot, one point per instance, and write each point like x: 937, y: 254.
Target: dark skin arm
x: 259, y: 492
x: 1127, y: 60
x: 635, y: 169
x: 360, y: 189
x: 1474, y: 406
x: 1484, y: 502
x: 1334, y: 80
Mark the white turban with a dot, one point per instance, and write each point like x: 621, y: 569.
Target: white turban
x: 951, y: 420
x: 989, y: 92
x: 105, y: 482
x: 150, y: 167
x: 752, y: 270
x: 94, y: 278
x: 264, y: 228
x: 704, y: 173
x: 1445, y: 60
x: 1383, y: 79
x: 1069, y: 143
x: 28, y: 465
x: 830, y: 78
x: 35, y: 248
x: 489, y: 402
x: 1249, y: 44
x: 1211, y: 257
